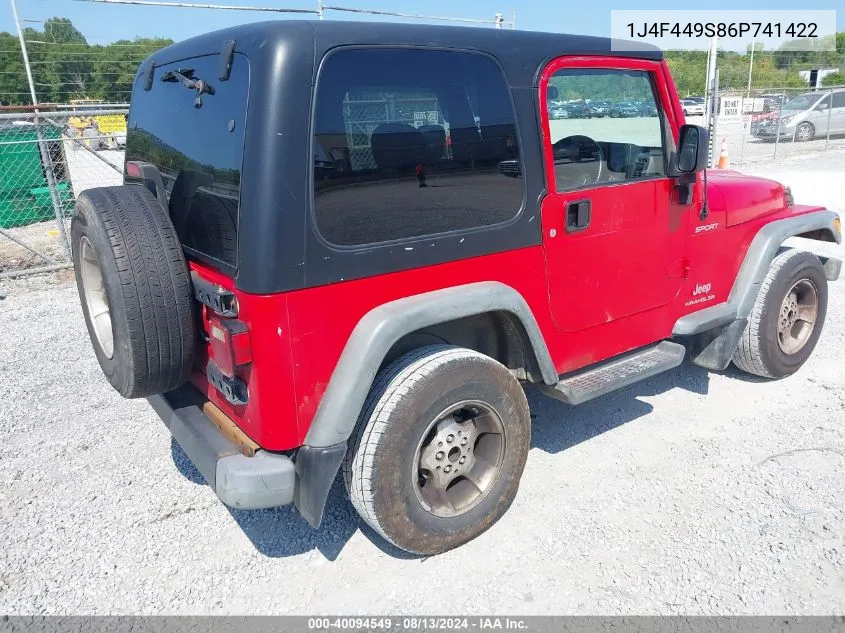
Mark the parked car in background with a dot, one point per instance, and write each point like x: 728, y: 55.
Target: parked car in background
x: 692, y: 108
x: 578, y: 110
x: 805, y: 117
x: 624, y: 109
x: 559, y: 112
x: 598, y: 109
x: 572, y: 110
x: 646, y: 109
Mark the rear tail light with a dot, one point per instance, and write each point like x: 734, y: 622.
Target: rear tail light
x: 230, y: 344
x: 133, y: 169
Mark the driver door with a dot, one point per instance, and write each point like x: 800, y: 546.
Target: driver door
x: 613, y: 235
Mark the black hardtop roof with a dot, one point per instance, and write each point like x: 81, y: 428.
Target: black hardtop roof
x: 284, y: 61
x: 525, y: 51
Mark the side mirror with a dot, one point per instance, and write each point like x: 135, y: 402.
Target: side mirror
x: 692, y: 150
x: 551, y: 94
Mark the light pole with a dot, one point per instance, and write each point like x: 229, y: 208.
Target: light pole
x: 750, y: 67
x: 710, y: 96
x: 24, y: 54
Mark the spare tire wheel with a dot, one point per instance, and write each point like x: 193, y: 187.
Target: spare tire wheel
x: 135, y: 289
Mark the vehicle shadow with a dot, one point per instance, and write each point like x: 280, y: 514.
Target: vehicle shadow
x: 560, y: 426
x: 282, y: 532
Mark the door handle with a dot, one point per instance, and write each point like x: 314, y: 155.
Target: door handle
x: 577, y: 215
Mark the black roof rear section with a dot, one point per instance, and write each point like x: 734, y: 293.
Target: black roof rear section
x: 276, y: 251
x: 521, y: 53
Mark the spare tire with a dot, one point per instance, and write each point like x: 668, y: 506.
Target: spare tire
x: 135, y: 289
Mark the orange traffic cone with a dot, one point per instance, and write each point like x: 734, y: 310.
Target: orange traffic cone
x: 724, y: 162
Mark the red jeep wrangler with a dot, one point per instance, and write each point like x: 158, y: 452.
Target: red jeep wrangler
x: 345, y: 245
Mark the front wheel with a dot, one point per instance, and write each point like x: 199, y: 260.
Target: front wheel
x: 805, y: 132
x: 439, y: 450
x: 787, y: 318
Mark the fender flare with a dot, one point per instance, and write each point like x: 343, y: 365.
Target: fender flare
x: 758, y: 258
x: 382, y: 327
x: 727, y: 320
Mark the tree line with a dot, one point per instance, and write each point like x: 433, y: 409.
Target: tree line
x: 773, y: 69
x: 65, y: 66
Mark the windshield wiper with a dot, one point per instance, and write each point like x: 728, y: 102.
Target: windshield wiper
x: 187, y: 79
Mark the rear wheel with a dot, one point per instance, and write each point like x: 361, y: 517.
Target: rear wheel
x: 787, y: 317
x: 440, y: 447
x: 135, y: 289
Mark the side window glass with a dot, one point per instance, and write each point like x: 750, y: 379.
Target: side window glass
x: 411, y: 143
x: 839, y: 99
x: 606, y: 127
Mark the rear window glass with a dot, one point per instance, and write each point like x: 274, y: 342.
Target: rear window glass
x: 196, y: 141
x: 410, y: 143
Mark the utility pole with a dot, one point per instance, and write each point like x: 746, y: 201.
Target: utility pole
x: 710, y: 96
x: 25, y: 54
x: 750, y: 67
x: 46, y: 159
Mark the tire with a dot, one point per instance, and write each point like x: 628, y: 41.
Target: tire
x: 135, y: 289
x: 382, y: 467
x: 763, y: 350
x: 805, y: 132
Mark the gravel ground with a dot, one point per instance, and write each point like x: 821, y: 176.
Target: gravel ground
x: 691, y: 493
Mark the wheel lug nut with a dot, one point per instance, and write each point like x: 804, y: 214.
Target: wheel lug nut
x: 462, y: 460
x: 450, y: 439
x: 464, y: 442
x: 448, y: 469
x: 439, y: 456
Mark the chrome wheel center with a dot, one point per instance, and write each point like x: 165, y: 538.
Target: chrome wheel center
x: 797, y: 317
x: 459, y: 458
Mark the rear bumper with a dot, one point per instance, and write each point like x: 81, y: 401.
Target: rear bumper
x: 265, y: 480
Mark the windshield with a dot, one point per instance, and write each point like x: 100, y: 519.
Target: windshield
x: 801, y: 102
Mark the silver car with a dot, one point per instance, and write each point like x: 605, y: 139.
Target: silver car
x: 805, y: 117
x: 692, y: 107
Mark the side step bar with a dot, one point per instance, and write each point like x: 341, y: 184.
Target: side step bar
x: 617, y: 373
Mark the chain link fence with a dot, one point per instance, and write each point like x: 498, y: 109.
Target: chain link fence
x: 46, y: 160
x: 769, y: 125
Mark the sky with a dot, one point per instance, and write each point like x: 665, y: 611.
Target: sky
x: 102, y: 24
